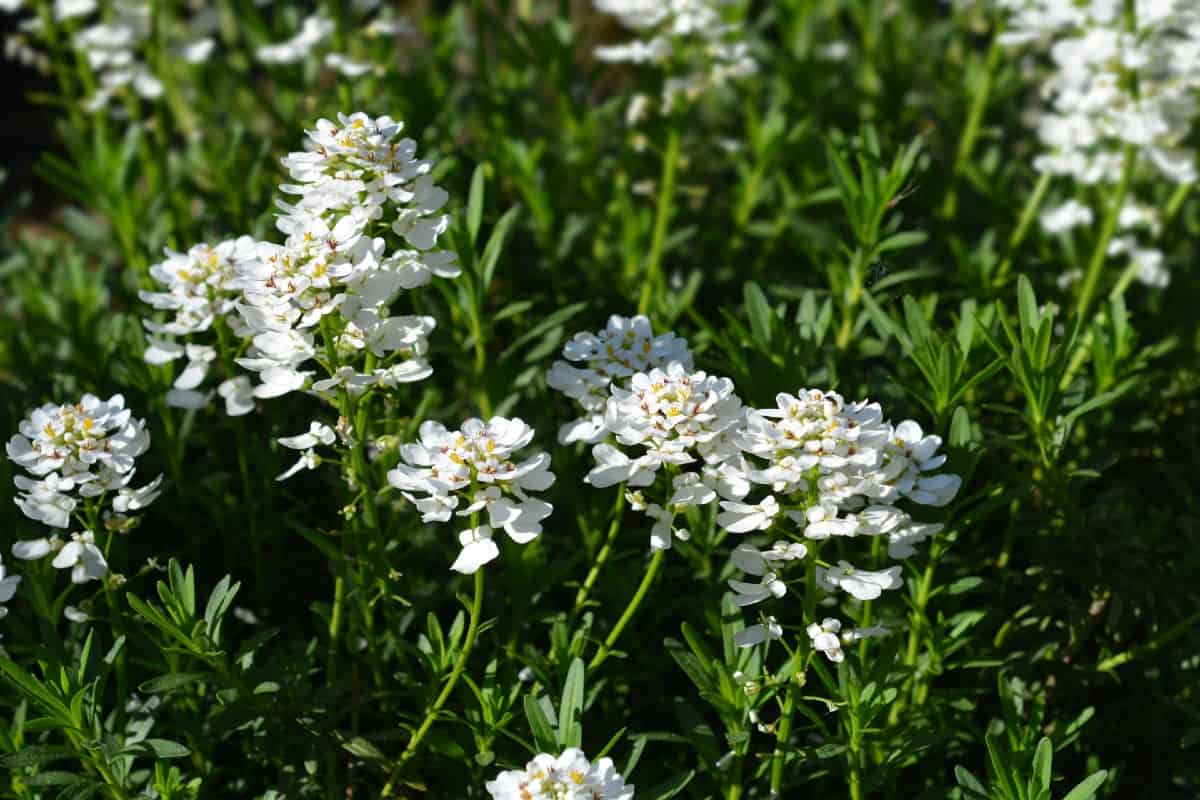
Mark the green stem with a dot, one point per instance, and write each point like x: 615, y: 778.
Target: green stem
x: 666, y: 200
x: 430, y: 715
x: 971, y: 130
x: 1032, y: 204
x: 605, y: 551
x: 1100, y: 253
x: 783, y: 729
x: 631, y: 609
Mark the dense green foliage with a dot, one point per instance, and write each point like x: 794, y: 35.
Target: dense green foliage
x: 861, y: 224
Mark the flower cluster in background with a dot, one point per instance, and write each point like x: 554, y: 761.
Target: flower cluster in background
x: 1123, y: 81
x: 689, y: 39
x: 117, y: 41
x: 316, y: 36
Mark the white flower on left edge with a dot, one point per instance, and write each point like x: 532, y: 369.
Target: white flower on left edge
x: 8, y: 587
x: 80, y: 453
x: 474, y: 465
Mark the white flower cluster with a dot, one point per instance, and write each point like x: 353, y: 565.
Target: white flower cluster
x: 645, y: 407
x: 199, y: 287
x: 113, y: 39
x: 569, y: 776
x: 316, y: 30
x: 626, y: 346
x: 81, y: 453
x: 1123, y: 75
x: 674, y: 418
x: 363, y: 227
x: 476, y: 463
x: 692, y: 32
x: 834, y: 470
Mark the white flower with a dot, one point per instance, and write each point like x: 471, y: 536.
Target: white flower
x: 674, y: 413
x: 33, y: 549
x: 769, y: 628
x: 238, y: 393
x: 476, y: 462
x: 357, y: 175
x: 1061, y: 219
x: 744, y: 517
x: 613, y: 467
x: 128, y: 500
x: 825, y: 639
x: 82, y: 557
x: 308, y: 460
x: 569, y: 776
x: 75, y: 615
x: 48, y: 500
x: 8, y: 587
x: 318, y: 433
x: 626, y: 346
x: 860, y: 583
x: 74, y: 439
x: 689, y: 37
x: 314, y: 30
x: 477, y: 550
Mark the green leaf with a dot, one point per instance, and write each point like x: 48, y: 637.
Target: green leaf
x: 760, y: 313
x: 165, y: 748
x: 570, y: 731
x: 1039, y: 781
x: 544, y: 735
x: 166, y: 683
x: 34, y: 755
x: 1086, y: 789
x: 475, y: 203
x: 54, y: 778
x: 495, y: 246
x: 671, y: 787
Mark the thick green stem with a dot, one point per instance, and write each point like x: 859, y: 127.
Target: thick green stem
x: 1100, y: 253
x: 460, y: 664
x: 631, y: 609
x: 605, y: 551
x: 666, y: 201
x: 1032, y: 204
x: 966, y: 144
x: 783, y: 729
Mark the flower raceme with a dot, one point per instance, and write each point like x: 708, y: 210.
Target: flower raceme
x: 673, y: 418
x: 474, y: 467
x: 363, y: 227
x: 569, y: 776
x: 200, y: 287
x: 82, y: 457
x: 595, y: 361
x: 834, y: 470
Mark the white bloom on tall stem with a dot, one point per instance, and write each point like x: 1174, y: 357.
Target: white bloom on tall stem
x: 562, y: 777
x: 476, y: 464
